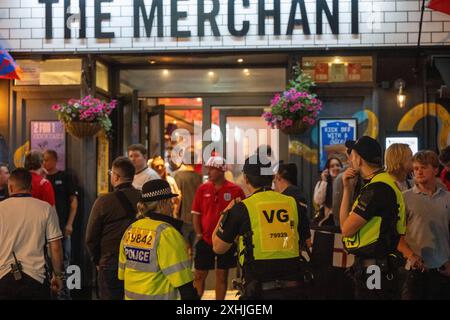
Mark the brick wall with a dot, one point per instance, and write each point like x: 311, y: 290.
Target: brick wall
x: 381, y: 23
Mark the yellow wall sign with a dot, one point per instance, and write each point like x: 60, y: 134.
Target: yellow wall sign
x: 102, y: 164
x: 420, y: 111
x: 19, y: 155
x: 302, y: 150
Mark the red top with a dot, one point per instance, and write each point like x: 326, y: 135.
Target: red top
x: 209, y: 203
x: 444, y: 180
x: 199, y: 169
x: 42, y: 189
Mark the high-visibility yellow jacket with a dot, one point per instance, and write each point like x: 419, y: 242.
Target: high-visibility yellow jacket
x: 369, y: 234
x: 153, y: 261
x: 274, y: 224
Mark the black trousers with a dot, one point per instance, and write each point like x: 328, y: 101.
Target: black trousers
x: 254, y: 292
x: 362, y: 280
x: 285, y: 294
x: 429, y: 285
x: 109, y: 286
x: 25, y: 289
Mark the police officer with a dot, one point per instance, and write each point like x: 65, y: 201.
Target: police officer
x: 153, y: 258
x: 371, y: 228
x: 269, y: 228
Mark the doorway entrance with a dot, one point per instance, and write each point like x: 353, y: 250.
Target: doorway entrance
x: 240, y: 132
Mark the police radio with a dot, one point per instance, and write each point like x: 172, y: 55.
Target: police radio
x: 16, y: 268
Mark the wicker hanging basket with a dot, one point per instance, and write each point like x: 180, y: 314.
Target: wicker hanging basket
x: 82, y: 129
x: 298, y: 127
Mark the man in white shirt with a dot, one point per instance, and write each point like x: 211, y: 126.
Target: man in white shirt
x: 137, y: 153
x: 26, y: 224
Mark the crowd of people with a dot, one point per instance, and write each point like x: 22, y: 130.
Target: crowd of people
x: 161, y: 221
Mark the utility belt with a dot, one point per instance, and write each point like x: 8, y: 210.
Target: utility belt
x: 365, y: 263
x: 256, y: 289
x: 280, y: 284
x: 388, y: 266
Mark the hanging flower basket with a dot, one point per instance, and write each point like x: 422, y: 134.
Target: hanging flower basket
x: 81, y: 129
x: 298, y: 127
x: 85, y: 117
x: 296, y: 109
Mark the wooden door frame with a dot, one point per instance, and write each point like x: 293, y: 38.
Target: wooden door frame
x: 158, y: 111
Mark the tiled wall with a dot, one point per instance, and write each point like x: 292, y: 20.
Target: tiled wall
x: 381, y: 23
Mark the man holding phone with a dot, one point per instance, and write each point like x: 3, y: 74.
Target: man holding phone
x: 371, y: 228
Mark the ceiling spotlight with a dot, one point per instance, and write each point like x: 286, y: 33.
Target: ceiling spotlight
x: 152, y: 61
x: 240, y: 60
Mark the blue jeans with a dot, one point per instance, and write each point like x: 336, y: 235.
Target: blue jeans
x: 109, y: 285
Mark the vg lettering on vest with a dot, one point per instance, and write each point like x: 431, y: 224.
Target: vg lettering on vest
x: 150, y: 14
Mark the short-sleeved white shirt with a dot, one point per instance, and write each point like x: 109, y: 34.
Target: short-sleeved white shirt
x: 25, y: 224
x: 142, y: 177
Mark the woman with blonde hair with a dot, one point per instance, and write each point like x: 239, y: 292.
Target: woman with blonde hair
x: 153, y: 259
x: 164, y: 206
x: 158, y: 164
x: 398, y: 163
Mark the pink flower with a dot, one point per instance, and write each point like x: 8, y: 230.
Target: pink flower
x: 56, y: 107
x: 305, y: 119
x: 311, y: 121
x: 275, y: 99
x: 267, y: 116
x: 288, y: 122
x: 292, y: 109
